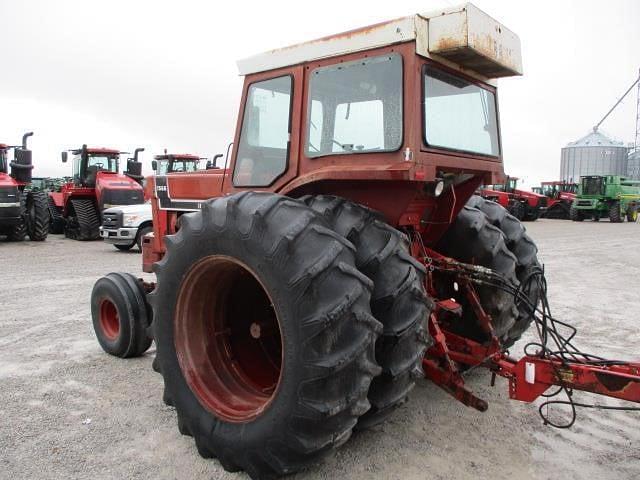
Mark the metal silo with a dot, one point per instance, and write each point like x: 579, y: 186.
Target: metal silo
x: 633, y: 167
x: 593, y: 154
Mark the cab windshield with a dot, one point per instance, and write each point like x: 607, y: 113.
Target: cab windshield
x: 184, y: 166
x: 103, y: 162
x: 459, y: 115
x: 355, y: 107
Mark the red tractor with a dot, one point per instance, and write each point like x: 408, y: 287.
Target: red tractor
x: 523, y: 205
x: 301, y: 291
x: 560, y: 196
x: 22, y: 212
x: 96, y: 185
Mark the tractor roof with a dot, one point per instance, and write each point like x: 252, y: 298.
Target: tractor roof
x: 98, y: 150
x: 3, y: 146
x: 177, y: 156
x: 463, y: 36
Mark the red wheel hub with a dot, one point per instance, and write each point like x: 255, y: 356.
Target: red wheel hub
x: 228, y: 339
x: 109, y: 319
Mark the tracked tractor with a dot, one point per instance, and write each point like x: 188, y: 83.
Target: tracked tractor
x: 97, y: 184
x: 609, y: 196
x: 300, y: 292
x: 523, y: 205
x: 23, y: 211
x: 560, y: 196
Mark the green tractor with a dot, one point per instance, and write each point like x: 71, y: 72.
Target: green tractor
x: 608, y: 195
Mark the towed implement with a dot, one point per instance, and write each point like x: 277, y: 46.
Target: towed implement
x: 97, y: 184
x: 342, y: 254
x: 23, y: 210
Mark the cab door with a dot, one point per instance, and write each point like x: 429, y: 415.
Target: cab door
x: 268, y: 131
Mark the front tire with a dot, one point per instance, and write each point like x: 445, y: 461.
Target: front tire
x: 120, y: 316
x: 575, y: 215
x: 37, y: 216
x: 614, y: 213
x: 275, y: 369
x: 125, y: 248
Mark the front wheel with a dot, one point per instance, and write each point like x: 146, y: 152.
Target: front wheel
x: 264, y: 334
x: 576, y: 215
x: 615, y: 216
x: 37, y: 216
x: 632, y: 213
x: 125, y: 248
x: 120, y: 317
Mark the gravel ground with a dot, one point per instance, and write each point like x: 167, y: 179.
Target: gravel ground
x: 68, y: 410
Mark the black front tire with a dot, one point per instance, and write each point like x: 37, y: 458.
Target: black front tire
x: 321, y: 302
x: 124, y: 248
x: 614, y: 213
x: 120, y: 316
x: 575, y: 215
x: 399, y: 300
x: 37, y: 216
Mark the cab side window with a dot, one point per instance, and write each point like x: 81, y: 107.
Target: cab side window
x: 263, y: 150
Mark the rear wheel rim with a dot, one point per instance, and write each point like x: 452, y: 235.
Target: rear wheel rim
x: 228, y: 339
x: 109, y: 320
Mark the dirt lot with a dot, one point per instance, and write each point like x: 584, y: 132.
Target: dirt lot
x: 68, y: 410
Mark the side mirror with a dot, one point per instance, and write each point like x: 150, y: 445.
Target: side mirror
x: 64, y: 157
x: 154, y: 165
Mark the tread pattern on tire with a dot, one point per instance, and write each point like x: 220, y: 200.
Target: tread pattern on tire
x: 56, y: 221
x: 526, y: 253
x: 38, y: 226
x: 336, y: 363
x: 614, y: 213
x: 133, y: 340
x: 399, y: 300
x: 88, y: 220
x: 473, y: 239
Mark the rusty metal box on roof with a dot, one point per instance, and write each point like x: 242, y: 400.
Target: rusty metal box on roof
x: 469, y: 37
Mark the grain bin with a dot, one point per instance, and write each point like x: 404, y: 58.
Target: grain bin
x: 593, y: 154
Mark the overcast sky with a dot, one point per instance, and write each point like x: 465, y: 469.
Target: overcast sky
x: 161, y: 74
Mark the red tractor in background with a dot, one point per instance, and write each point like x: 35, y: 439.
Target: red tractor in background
x: 22, y: 212
x: 525, y: 206
x: 175, y: 163
x: 560, y: 196
x: 97, y: 184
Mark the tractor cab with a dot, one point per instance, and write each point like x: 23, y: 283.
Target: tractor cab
x: 509, y: 186
x: 175, y: 163
x: 592, y: 185
x: 87, y: 162
x: 3, y: 157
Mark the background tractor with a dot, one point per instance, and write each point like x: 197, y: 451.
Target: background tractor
x: 175, y: 163
x: 606, y: 196
x: 523, y: 205
x: 96, y: 185
x: 23, y: 211
x: 560, y: 196
x: 342, y: 254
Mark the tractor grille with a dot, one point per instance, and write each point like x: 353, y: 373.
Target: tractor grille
x: 112, y: 220
x: 122, y: 197
x: 9, y: 194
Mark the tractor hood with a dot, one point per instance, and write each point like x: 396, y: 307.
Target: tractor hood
x: 116, y: 189
x: 7, y: 180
